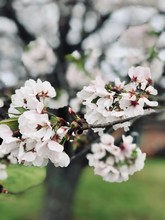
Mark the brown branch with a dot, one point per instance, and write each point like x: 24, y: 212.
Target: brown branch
x: 109, y: 127
x: 111, y: 124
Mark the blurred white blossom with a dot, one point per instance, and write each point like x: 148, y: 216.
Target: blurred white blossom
x: 115, y: 163
x: 39, y: 58
x: 7, y: 26
x: 39, y: 18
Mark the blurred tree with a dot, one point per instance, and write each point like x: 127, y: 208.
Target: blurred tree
x: 110, y: 36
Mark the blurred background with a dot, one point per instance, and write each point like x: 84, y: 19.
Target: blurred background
x: 70, y: 42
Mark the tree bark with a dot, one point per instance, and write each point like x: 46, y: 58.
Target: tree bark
x: 60, y: 189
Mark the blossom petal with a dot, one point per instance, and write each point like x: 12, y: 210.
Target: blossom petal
x: 55, y: 146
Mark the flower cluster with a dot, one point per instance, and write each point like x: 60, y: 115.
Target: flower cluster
x: 39, y: 58
x: 118, y: 100
x: 114, y: 163
x: 35, y: 137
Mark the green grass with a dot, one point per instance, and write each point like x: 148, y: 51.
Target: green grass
x: 141, y: 198
x: 25, y: 206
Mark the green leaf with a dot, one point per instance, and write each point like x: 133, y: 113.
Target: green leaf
x: 54, y: 119
x: 134, y: 154
x: 95, y: 100
x: 71, y: 58
x: 152, y: 53
x: 21, y: 109
x: 11, y: 122
x: 78, y: 61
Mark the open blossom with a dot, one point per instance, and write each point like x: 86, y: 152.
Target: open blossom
x: 115, y: 163
x: 10, y: 143
x: 40, y: 89
x: 132, y: 106
x: 32, y: 96
x: 97, y: 87
x: 119, y: 100
x: 38, y: 136
x: 4, y: 151
x: 104, y: 103
x: 34, y: 125
x: 35, y: 150
x: 37, y: 139
x: 39, y: 58
x: 139, y: 74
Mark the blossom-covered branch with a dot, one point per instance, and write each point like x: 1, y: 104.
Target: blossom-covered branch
x: 108, y: 103
x: 32, y: 135
x: 86, y: 126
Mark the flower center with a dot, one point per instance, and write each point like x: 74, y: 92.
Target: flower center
x: 134, y: 103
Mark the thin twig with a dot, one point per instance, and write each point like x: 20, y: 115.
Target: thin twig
x: 111, y: 124
x: 25, y: 190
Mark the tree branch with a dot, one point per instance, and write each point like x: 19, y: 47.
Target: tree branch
x: 111, y: 124
x: 109, y: 127
x: 25, y: 190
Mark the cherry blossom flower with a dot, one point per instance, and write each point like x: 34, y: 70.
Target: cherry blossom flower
x: 39, y: 58
x: 39, y: 137
x: 118, y: 100
x: 34, y: 125
x: 54, y: 151
x: 113, y: 163
x: 40, y: 89
x: 34, y: 95
x: 131, y: 106
x: 60, y: 159
x: 97, y: 88
x: 37, y: 141
x: 151, y: 90
x: 140, y: 75
x: 9, y: 144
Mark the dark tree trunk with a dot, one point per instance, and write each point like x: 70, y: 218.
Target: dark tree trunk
x: 60, y: 189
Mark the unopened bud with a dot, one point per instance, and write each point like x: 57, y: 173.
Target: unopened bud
x: 71, y: 112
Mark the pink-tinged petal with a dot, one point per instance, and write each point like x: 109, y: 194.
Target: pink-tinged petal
x: 48, y: 134
x: 132, y: 73
x: 151, y: 90
x: 40, y: 162
x: 48, y: 88
x: 62, y: 160
x: 29, y: 156
x: 34, y: 104
x: 124, y: 125
x: 55, y: 146
x: 42, y: 149
x: 150, y: 103
x: 39, y: 134
x: 5, y: 131
x: 107, y: 139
